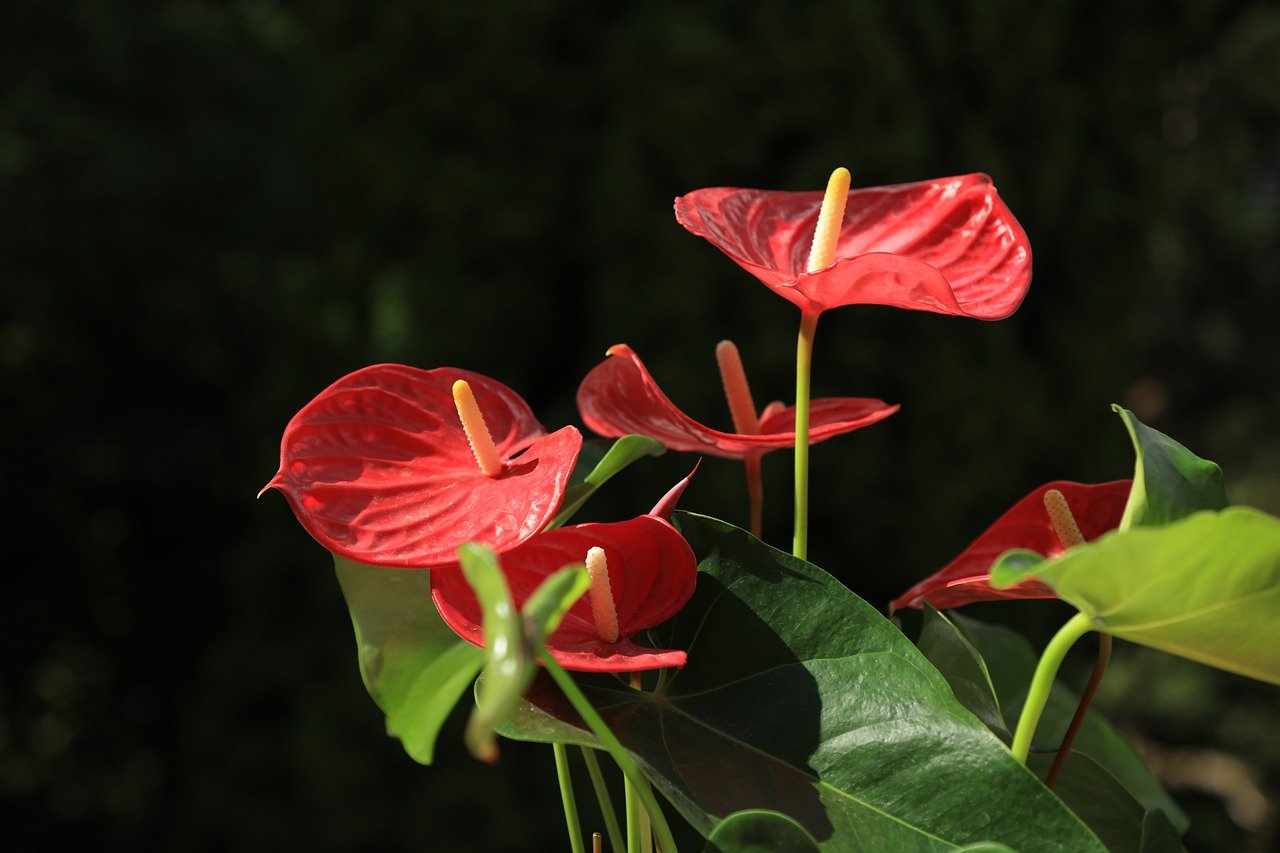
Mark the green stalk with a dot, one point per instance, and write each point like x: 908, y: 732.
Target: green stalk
x: 602, y: 796
x: 804, y: 361
x: 615, y: 749
x: 566, y: 796
x: 633, y: 817
x: 1042, y: 682
x: 1086, y: 699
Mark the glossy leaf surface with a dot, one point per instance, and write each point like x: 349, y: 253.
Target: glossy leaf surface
x: 799, y: 697
x: 414, y: 666
x: 949, y: 246
x: 1169, y: 481
x: 652, y: 573
x: 619, y: 396
x: 1026, y: 526
x: 624, y: 451
x: 963, y: 668
x: 378, y: 469
x: 1206, y: 587
x: 760, y: 831
x: 1010, y: 663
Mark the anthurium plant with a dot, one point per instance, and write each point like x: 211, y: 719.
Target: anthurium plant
x: 735, y: 686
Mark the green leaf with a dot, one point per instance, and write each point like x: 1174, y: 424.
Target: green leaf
x: 963, y: 668
x: 759, y: 831
x: 624, y: 451
x: 509, y: 661
x: 1169, y: 481
x: 1098, y: 798
x: 1205, y: 588
x: 1011, y: 662
x: 547, y: 605
x: 413, y: 664
x: 799, y: 697
x: 1159, y: 835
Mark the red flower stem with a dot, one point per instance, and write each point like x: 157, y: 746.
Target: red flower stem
x: 606, y: 805
x: 566, y: 797
x: 755, y: 493
x: 1086, y: 699
x: 804, y: 361
x: 615, y: 748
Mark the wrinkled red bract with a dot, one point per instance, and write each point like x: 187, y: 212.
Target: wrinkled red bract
x: 949, y: 246
x: 652, y: 573
x: 378, y: 469
x: 619, y: 397
x: 966, y: 579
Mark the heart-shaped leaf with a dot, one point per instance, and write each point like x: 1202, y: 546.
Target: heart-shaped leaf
x: 414, y: 666
x: 1169, y: 481
x: 1206, y: 587
x: 799, y: 697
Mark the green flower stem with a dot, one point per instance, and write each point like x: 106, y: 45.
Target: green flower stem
x: 615, y: 749
x: 633, y: 818
x: 566, y: 796
x: 602, y: 796
x: 804, y: 361
x: 1041, y: 683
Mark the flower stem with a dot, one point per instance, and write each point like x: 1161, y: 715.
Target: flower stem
x: 755, y: 493
x: 1086, y: 699
x: 602, y: 796
x: 804, y: 361
x: 566, y: 796
x: 615, y: 748
x: 1042, y: 682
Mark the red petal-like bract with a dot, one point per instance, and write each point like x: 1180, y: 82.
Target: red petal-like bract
x: 619, y: 397
x: 378, y: 469
x: 949, y: 245
x: 652, y: 573
x: 1097, y: 509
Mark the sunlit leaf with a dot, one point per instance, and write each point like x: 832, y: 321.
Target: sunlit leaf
x: 1169, y: 481
x: 798, y: 697
x: 413, y: 665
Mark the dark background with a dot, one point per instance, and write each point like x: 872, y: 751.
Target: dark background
x: 211, y: 210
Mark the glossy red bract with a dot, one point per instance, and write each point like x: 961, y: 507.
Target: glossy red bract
x: 619, y: 397
x: 378, y: 469
x: 966, y: 579
x: 949, y: 246
x: 652, y: 573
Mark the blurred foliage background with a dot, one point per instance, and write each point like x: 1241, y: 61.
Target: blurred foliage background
x: 211, y: 210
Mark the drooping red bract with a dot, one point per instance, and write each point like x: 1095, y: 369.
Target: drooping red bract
x: 619, y: 397
x: 652, y: 573
x: 378, y: 469
x: 949, y: 246
x: 966, y: 579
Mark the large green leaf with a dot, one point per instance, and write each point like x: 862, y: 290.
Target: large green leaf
x: 963, y: 668
x: 1169, y: 481
x: 1205, y: 588
x: 413, y: 664
x: 1010, y: 663
x: 800, y: 698
x: 598, y: 468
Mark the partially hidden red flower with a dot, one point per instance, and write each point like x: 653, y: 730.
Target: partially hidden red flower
x: 619, y: 396
x: 949, y: 246
x: 379, y: 470
x: 652, y: 573
x: 1097, y: 508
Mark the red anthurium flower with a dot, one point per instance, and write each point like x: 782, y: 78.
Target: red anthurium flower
x: 648, y: 574
x: 1026, y: 525
x: 378, y: 467
x: 619, y: 397
x: 949, y: 245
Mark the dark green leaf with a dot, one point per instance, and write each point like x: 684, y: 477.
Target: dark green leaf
x: 1169, y: 481
x: 1206, y: 587
x: 1011, y: 663
x: 1098, y: 798
x: 1158, y: 834
x: 412, y: 663
x: 624, y: 451
x: 963, y: 668
x: 509, y: 662
x: 800, y: 698
x: 760, y: 831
